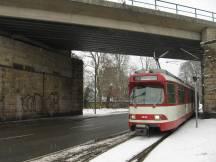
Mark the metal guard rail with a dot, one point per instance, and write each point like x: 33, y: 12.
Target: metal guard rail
x: 177, y: 8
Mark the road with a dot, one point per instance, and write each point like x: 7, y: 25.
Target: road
x: 26, y: 140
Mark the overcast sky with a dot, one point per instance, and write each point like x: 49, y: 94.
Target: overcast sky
x: 209, y: 5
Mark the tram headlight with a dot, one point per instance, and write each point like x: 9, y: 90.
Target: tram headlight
x: 133, y: 117
x: 157, y: 117
x: 160, y: 117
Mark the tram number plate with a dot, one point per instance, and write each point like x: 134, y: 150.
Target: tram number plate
x: 141, y: 126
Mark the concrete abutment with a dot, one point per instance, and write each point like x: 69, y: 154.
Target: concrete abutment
x: 35, y: 82
x: 209, y: 71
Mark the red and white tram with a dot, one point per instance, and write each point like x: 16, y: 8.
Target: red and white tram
x: 159, y: 99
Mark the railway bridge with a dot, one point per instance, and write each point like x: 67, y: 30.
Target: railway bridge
x: 38, y: 77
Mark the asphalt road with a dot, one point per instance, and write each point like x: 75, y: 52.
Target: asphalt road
x: 26, y: 140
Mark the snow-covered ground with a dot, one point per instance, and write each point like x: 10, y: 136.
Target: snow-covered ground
x: 126, y: 150
x: 188, y: 144
x: 104, y: 111
x: 86, y: 113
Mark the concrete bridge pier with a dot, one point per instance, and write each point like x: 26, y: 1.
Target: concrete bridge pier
x: 209, y: 71
x: 38, y: 82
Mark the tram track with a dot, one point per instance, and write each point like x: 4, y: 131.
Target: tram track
x: 94, y: 148
x: 87, y: 151
x: 140, y: 157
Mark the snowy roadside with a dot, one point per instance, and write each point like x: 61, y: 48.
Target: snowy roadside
x: 188, y: 144
x: 127, y: 150
x: 104, y: 111
x: 87, y: 113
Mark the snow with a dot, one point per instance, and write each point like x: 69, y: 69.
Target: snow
x: 200, y: 108
x: 188, y: 144
x: 127, y: 150
x: 77, y: 152
x: 86, y: 113
x: 104, y: 111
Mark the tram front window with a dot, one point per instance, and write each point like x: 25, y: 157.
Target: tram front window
x: 147, y: 95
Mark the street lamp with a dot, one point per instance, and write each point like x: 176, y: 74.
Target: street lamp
x: 195, y: 79
x: 95, y: 93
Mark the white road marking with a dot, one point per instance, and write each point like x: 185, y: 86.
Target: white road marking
x: 15, y: 137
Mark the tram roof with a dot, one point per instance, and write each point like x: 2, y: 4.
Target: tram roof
x: 165, y: 72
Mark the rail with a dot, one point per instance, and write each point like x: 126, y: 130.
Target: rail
x: 143, y: 154
x: 174, y: 8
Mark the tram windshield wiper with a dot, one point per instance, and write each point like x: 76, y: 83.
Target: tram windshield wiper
x: 142, y: 94
x: 134, y: 97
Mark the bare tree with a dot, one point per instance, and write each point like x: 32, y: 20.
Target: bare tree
x: 121, y: 64
x: 94, y: 63
x: 98, y: 61
x: 147, y: 63
x: 122, y: 1
x: 190, y: 69
x: 106, y: 75
x: 113, y: 77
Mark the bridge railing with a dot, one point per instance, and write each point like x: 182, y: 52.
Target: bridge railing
x: 174, y: 8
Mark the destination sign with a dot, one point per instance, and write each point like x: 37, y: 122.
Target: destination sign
x: 145, y: 78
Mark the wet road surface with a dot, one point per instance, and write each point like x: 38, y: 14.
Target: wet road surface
x: 26, y: 140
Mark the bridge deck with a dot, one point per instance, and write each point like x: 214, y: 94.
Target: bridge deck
x: 103, y: 26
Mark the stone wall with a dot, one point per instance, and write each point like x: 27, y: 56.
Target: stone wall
x: 209, y: 71
x: 35, y: 82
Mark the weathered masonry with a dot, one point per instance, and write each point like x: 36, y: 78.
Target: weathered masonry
x: 35, y: 82
x: 209, y: 71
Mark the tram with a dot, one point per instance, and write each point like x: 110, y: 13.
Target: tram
x: 159, y: 99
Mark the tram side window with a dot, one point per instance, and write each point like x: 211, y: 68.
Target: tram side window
x: 171, y: 93
x: 188, y: 98
x: 192, y: 96
x: 181, y: 94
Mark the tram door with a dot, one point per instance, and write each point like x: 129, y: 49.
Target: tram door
x: 182, y: 98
